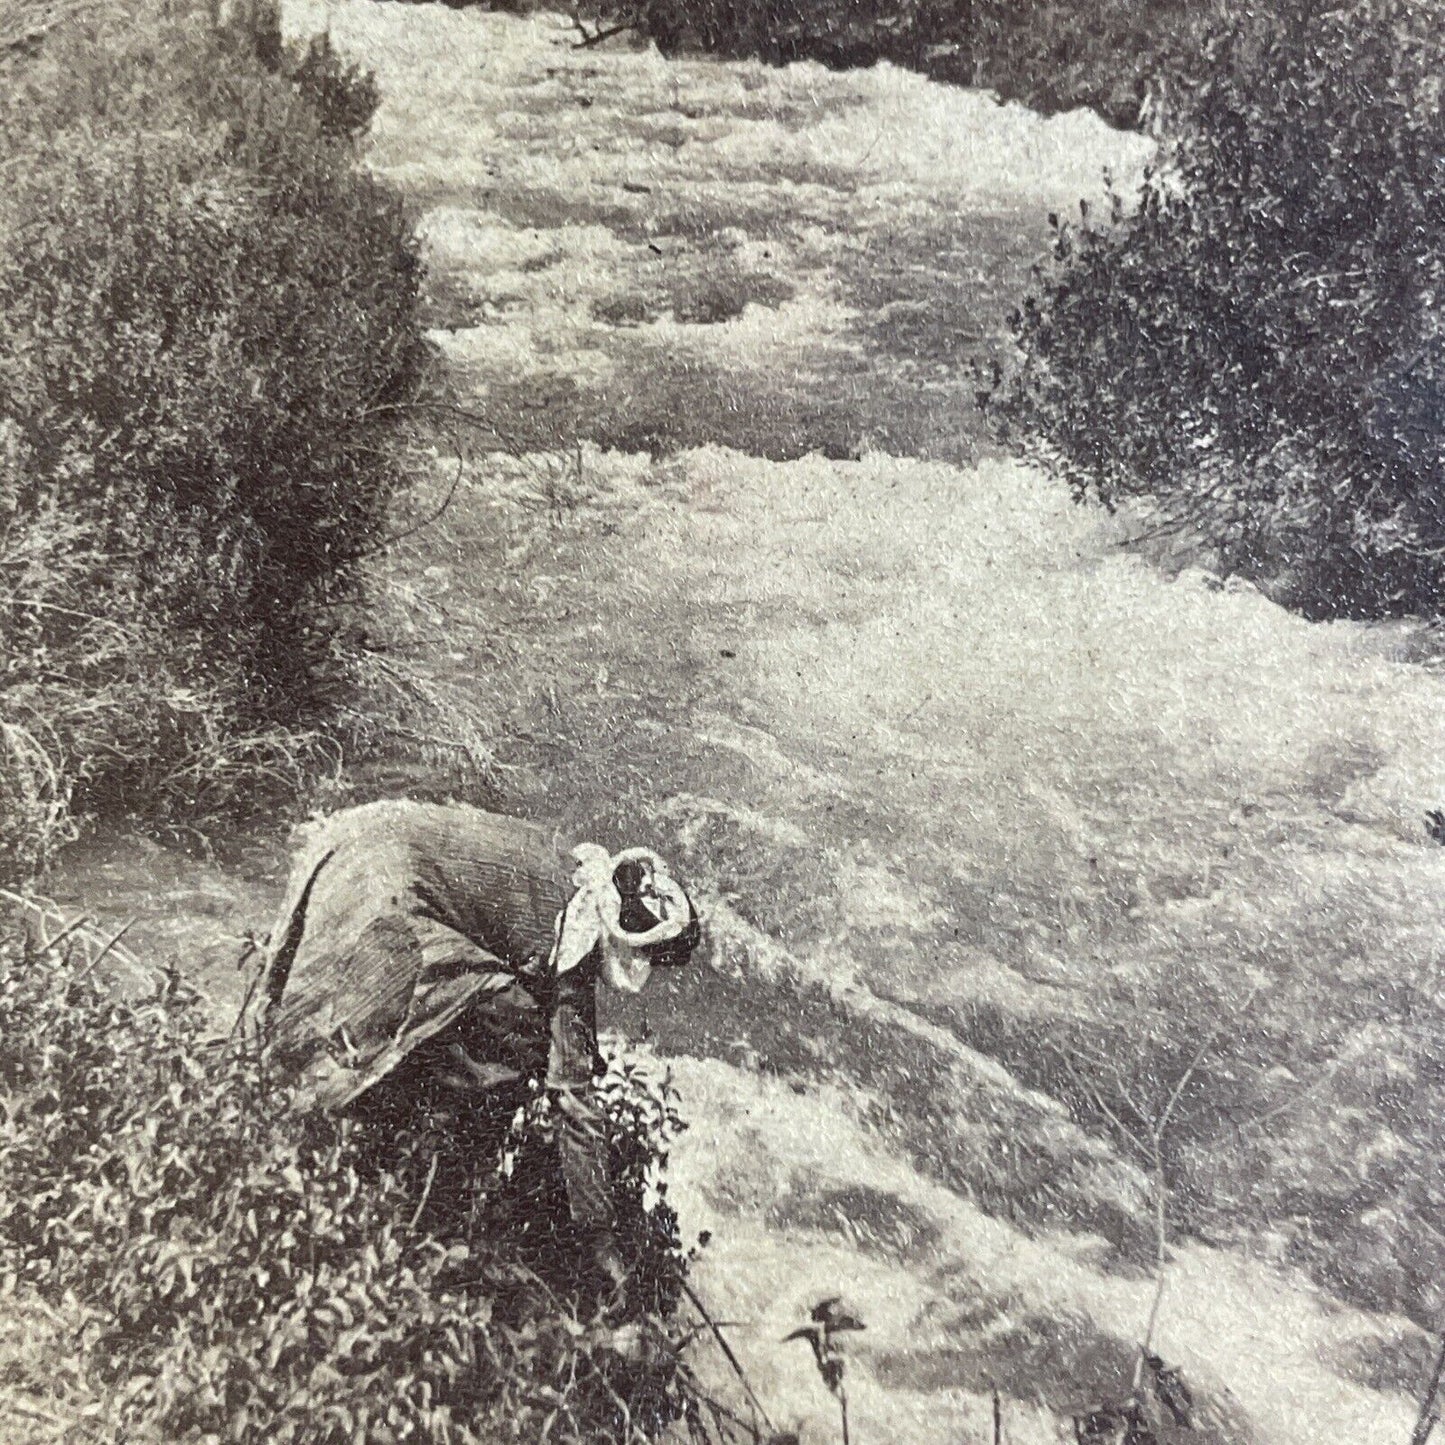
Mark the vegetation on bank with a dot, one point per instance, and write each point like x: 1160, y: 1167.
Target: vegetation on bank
x: 208, y: 316
x: 1251, y: 348
x: 209, y: 327
x: 1249, y: 345
x: 232, y: 1271
x: 1337, y: 1154
x: 1111, y: 55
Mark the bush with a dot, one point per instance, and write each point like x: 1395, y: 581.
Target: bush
x: 1254, y: 349
x: 1109, y: 54
x: 99, y: 708
x: 208, y: 319
x: 249, y: 1275
x: 344, y: 97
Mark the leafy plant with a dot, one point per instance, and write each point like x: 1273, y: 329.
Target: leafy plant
x: 344, y: 97
x: 207, y: 314
x: 827, y: 1320
x: 1252, y: 350
x: 255, y: 1275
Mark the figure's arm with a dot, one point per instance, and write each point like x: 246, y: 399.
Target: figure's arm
x: 573, y: 1060
x: 573, y: 1063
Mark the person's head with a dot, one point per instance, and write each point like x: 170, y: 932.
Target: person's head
x: 650, y: 899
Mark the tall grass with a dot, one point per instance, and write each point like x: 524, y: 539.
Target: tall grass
x: 208, y: 315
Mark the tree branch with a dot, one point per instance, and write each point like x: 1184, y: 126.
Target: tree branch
x: 596, y: 39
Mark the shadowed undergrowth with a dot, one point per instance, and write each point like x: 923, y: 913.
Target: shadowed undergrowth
x: 207, y: 312
x: 231, y: 1269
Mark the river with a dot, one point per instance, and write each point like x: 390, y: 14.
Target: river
x: 737, y: 570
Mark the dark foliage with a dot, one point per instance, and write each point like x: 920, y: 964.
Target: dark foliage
x: 344, y: 97
x: 251, y: 1275
x: 1255, y: 349
x: 1109, y: 54
x: 206, y: 310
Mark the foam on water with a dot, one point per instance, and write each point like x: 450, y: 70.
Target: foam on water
x: 952, y: 1300
x: 1015, y: 759
x: 881, y: 128
x: 926, y: 738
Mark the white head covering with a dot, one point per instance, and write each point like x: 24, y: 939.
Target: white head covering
x: 593, y: 915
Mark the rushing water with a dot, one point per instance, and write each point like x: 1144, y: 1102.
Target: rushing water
x: 740, y: 576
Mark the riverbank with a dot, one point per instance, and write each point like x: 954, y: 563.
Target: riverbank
x: 735, y: 574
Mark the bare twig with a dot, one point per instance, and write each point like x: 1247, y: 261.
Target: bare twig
x: 721, y: 1412
x: 727, y: 1350
x: 44, y: 909
x: 701, y: 1328
x: 41, y: 606
x: 1322, y: 1078
x: 1155, y: 1124
x: 1161, y: 1261
x: 1129, y: 1135
x: 597, y: 37
x: 71, y: 928
x: 431, y: 518
x: 110, y: 944
x: 257, y: 975
x: 1429, y: 1414
x: 1199, y: 1056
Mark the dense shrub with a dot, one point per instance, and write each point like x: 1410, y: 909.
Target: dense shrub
x: 1254, y: 349
x: 246, y: 1274
x: 207, y: 319
x: 1053, y: 55
x: 345, y: 97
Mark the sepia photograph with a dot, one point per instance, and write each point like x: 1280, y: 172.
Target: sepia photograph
x: 722, y: 722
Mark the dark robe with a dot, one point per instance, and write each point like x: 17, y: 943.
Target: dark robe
x: 411, y: 956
